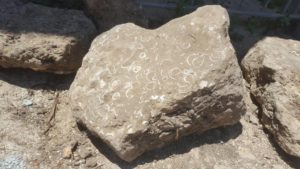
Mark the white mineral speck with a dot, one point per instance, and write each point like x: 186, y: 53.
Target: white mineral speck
x: 203, y: 84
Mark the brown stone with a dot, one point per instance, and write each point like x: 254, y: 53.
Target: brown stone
x: 43, y: 38
x: 272, y: 69
x: 67, y: 153
x: 140, y: 89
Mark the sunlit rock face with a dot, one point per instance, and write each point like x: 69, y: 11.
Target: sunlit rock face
x: 272, y: 69
x: 140, y: 89
x: 43, y: 38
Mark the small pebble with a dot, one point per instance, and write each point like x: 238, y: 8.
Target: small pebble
x: 79, y: 162
x: 27, y: 103
x: 76, y: 156
x: 91, y: 162
x: 85, y: 153
x: 67, y: 153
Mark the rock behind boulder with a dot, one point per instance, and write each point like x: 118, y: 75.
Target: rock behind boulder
x: 140, y: 89
x: 109, y: 13
x: 43, y: 38
x: 272, y: 69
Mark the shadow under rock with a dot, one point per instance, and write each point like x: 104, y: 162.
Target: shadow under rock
x: 183, y: 145
x: 36, y: 80
x: 292, y: 161
x: 65, y: 4
x: 245, y: 32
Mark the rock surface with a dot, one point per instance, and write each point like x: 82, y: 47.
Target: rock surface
x: 43, y: 38
x: 33, y: 149
x: 139, y: 89
x: 272, y: 69
x: 108, y: 13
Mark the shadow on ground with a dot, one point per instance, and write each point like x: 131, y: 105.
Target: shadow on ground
x: 292, y: 161
x: 183, y: 145
x: 36, y: 80
x: 245, y: 32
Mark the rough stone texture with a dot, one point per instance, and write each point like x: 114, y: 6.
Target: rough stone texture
x: 139, y: 89
x: 43, y: 38
x: 218, y: 148
x: 272, y: 69
x: 108, y: 13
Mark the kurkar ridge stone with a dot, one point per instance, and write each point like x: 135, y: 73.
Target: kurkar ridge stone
x: 272, y: 70
x: 140, y: 89
x: 43, y: 38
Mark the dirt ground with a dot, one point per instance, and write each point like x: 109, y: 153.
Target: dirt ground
x: 37, y: 128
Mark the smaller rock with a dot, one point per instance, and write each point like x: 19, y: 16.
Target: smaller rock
x: 272, y: 69
x: 27, y: 103
x: 79, y: 162
x: 84, y: 154
x: 67, y: 154
x: 68, y: 151
x: 74, y: 125
x: 76, y: 156
x: 91, y: 162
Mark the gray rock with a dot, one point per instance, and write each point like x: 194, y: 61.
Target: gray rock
x: 84, y: 153
x: 79, y: 162
x: 67, y: 152
x: 140, y: 89
x: 272, y: 69
x: 43, y: 38
x: 91, y: 162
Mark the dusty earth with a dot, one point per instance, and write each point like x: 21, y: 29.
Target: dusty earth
x: 37, y: 129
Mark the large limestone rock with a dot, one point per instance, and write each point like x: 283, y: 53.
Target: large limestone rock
x: 43, y: 38
x: 139, y: 89
x: 109, y: 13
x: 272, y: 69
